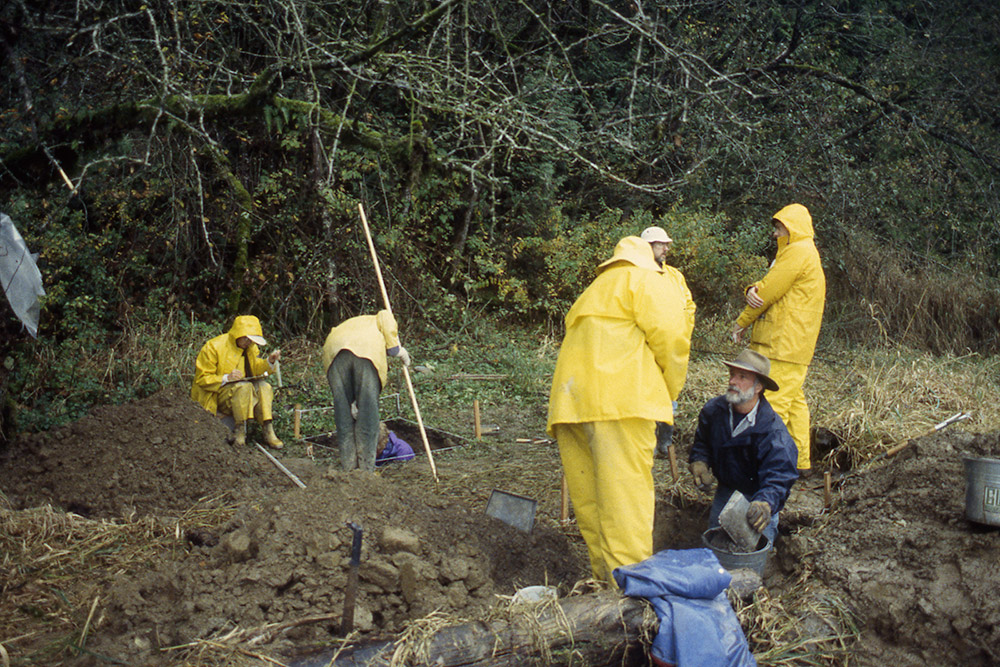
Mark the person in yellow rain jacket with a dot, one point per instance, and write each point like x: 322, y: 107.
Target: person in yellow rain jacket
x: 355, y: 359
x: 785, y: 309
x: 622, y: 362
x: 228, y: 378
x: 660, y: 242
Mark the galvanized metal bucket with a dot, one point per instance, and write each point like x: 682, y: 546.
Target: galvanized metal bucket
x: 982, y: 490
x: 717, y: 540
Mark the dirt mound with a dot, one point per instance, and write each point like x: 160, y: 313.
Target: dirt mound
x: 158, y: 455
x: 281, y: 560
x: 922, y: 579
x: 287, y: 558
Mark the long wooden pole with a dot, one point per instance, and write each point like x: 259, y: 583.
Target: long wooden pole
x: 406, y: 371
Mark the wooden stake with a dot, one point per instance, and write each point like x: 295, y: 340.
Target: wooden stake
x: 406, y: 371
x: 475, y: 415
x: 673, y: 462
x: 564, y: 515
x: 827, y: 490
x: 297, y: 421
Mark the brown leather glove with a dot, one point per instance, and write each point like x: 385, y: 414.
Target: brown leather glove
x: 702, y: 477
x: 758, y: 515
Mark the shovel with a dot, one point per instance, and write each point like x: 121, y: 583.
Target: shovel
x: 733, y: 520
x: 512, y: 509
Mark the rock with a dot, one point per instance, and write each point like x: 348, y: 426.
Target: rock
x: 380, y: 573
x: 395, y: 540
x: 363, y: 618
x: 415, y: 579
x: 745, y: 583
x: 455, y: 569
x: 457, y: 595
x: 238, y: 546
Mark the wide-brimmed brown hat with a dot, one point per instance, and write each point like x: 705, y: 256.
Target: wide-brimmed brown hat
x: 756, y: 363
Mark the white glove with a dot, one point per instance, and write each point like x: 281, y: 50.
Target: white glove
x: 404, y: 356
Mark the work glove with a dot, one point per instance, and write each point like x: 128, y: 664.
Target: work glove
x: 758, y: 515
x: 404, y: 356
x: 702, y: 477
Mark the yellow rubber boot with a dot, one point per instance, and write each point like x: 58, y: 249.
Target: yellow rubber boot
x: 270, y: 438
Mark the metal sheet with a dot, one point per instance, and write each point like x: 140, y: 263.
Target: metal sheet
x: 512, y: 509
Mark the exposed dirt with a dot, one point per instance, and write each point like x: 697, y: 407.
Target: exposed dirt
x: 921, y: 580
x: 285, y: 553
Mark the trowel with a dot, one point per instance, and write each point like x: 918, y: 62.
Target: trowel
x: 733, y: 520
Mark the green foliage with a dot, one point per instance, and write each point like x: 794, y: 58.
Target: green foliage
x: 544, y: 273
x: 717, y: 263
x: 500, y: 154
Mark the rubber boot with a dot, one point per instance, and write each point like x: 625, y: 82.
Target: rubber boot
x: 664, y: 438
x: 270, y: 438
x: 240, y: 434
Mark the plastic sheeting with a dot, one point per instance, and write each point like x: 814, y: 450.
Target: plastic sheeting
x: 687, y: 588
x: 19, y: 275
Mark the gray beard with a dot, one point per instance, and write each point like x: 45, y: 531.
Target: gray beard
x: 735, y: 396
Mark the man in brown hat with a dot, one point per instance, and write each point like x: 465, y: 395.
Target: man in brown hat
x: 741, y: 439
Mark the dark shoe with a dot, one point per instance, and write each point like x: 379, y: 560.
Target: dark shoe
x: 805, y: 473
x: 664, y: 438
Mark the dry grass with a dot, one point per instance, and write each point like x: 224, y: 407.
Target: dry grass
x: 870, y: 398
x: 55, y: 566
x: 800, y: 628
x: 880, y: 291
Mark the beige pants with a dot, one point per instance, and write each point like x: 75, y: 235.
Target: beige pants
x: 246, y: 399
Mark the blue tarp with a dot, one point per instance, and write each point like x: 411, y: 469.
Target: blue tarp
x: 687, y: 588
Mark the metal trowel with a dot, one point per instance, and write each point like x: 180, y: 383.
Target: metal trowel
x: 733, y: 520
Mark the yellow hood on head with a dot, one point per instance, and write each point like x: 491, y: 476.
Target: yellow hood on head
x: 635, y: 251
x: 797, y: 220
x: 245, y: 325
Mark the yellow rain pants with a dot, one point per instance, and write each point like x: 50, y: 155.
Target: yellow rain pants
x: 243, y: 400
x: 789, y: 402
x: 609, y: 472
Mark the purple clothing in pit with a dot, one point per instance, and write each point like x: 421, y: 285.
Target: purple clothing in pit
x: 395, y: 450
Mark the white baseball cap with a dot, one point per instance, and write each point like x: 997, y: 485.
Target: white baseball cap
x: 259, y: 340
x: 655, y: 235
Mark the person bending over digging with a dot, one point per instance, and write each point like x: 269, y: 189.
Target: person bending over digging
x: 355, y: 359
x: 229, y: 379
x: 741, y: 439
x: 391, y: 448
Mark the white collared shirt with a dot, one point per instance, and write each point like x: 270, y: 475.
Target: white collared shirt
x: 748, y: 420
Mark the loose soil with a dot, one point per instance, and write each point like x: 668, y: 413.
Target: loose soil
x: 273, y: 560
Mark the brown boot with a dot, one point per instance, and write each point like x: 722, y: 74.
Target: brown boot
x: 240, y: 434
x: 270, y: 438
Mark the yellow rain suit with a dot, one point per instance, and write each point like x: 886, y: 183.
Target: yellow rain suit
x: 367, y: 336
x: 786, y: 327
x: 672, y: 274
x: 623, y: 360
x: 220, y: 356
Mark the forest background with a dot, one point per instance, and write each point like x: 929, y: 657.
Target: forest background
x: 178, y: 162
